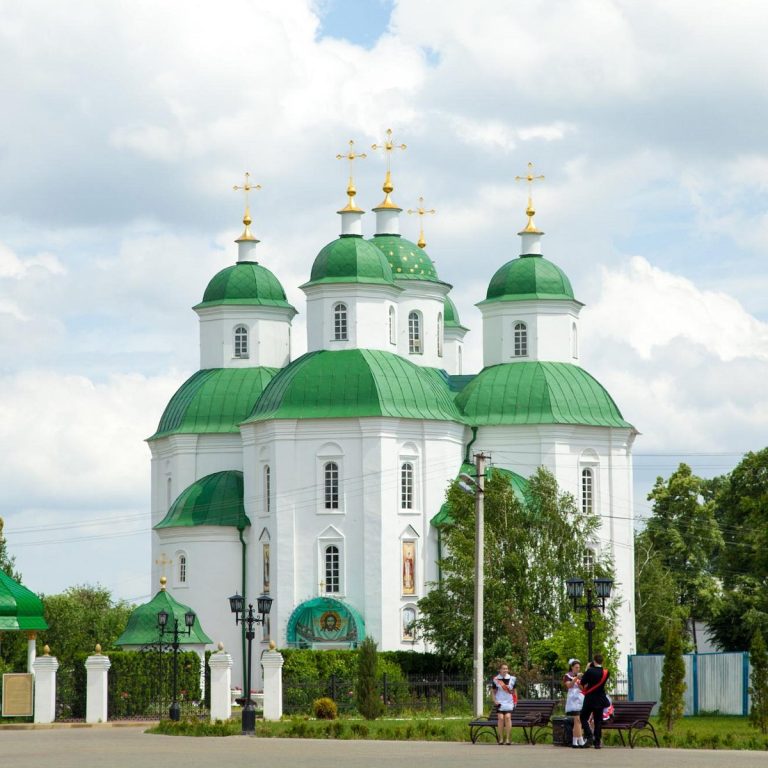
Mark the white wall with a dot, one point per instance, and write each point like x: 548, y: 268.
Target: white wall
x: 427, y: 299
x: 453, y: 353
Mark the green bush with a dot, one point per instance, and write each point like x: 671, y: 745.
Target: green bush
x: 367, y: 690
x: 325, y: 709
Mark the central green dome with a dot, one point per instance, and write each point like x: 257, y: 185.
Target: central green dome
x: 407, y: 260
x: 354, y: 383
x: 350, y: 259
x: 529, y: 277
x: 244, y: 283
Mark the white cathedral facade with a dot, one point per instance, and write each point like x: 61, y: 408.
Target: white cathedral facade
x: 318, y: 480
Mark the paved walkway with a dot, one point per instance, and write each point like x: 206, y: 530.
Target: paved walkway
x: 131, y: 747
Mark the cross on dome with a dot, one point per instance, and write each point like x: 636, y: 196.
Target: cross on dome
x: 388, y: 146
x: 351, y: 190
x: 247, y: 221
x: 529, y: 211
x: 421, y: 211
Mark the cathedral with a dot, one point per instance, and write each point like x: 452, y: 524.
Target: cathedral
x: 321, y: 480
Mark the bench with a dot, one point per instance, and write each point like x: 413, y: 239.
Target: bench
x: 633, y: 717
x: 532, y: 715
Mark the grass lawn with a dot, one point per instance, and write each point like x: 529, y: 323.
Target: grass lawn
x: 703, y: 732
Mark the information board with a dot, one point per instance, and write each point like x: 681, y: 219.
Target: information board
x: 17, y: 694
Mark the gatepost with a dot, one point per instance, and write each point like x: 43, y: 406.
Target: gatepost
x: 272, y: 663
x: 44, y: 668
x: 97, y: 669
x: 220, y: 664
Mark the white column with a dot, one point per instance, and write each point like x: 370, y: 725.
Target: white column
x: 31, y: 651
x: 44, y: 669
x: 272, y: 664
x: 96, y: 668
x: 220, y: 664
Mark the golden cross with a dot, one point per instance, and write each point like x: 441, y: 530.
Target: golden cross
x: 163, y: 562
x: 421, y: 211
x: 247, y: 220
x: 388, y: 146
x: 351, y: 191
x: 529, y: 211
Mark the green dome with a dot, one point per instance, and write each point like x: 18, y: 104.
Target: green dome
x: 215, y: 499
x: 20, y: 608
x: 142, y: 623
x: 354, y: 383
x: 529, y: 277
x: 213, y: 400
x: 244, y: 283
x: 350, y: 259
x: 406, y: 258
x: 538, y: 393
x: 451, y: 314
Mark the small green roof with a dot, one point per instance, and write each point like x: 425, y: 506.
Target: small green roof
x: 246, y: 282
x: 350, y: 259
x: 142, y: 623
x: 518, y: 482
x: 20, y: 609
x: 538, y: 393
x: 307, y: 625
x: 354, y: 383
x: 451, y: 314
x: 407, y: 260
x: 529, y: 277
x: 213, y: 400
x: 215, y: 499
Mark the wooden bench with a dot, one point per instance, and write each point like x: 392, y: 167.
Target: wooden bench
x: 532, y: 715
x: 633, y: 717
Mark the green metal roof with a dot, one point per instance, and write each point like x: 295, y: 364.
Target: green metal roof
x: 451, y: 315
x: 20, y: 609
x: 213, y: 400
x: 142, y: 624
x: 538, y: 393
x: 244, y: 283
x: 407, y: 260
x: 529, y: 277
x: 307, y: 623
x: 350, y: 259
x: 215, y: 499
x: 354, y: 383
x: 518, y: 482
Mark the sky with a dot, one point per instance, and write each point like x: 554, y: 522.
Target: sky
x: 125, y: 125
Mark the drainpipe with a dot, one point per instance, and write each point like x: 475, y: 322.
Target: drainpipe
x: 467, y: 453
x: 247, y: 694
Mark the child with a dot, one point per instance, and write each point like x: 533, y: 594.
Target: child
x: 504, y: 696
x: 574, y: 700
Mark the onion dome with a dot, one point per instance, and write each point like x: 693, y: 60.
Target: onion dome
x: 20, y: 608
x: 529, y: 277
x: 214, y: 400
x: 354, y: 383
x: 538, y: 393
x: 406, y: 259
x: 451, y: 314
x: 215, y: 499
x: 350, y: 259
x: 246, y: 282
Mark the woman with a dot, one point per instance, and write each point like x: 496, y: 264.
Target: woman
x: 504, y: 697
x: 573, y: 700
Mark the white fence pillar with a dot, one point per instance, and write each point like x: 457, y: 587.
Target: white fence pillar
x: 31, y: 651
x: 44, y: 669
x: 220, y: 664
x: 272, y: 664
x: 96, y: 668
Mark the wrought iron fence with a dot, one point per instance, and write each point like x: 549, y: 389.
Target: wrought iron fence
x: 70, y: 694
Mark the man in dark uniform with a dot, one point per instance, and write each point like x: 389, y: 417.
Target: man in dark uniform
x: 595, y: 700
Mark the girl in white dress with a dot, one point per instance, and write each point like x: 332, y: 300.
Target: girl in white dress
x: 504, y: 697
x: 574, y: 699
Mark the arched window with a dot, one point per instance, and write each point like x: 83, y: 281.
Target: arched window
x: 459, y: 355
x: 587, y: 491
x: 332, y: 570
x: 588, y: 559
x: 241, y: 341
x: 331, y: 485
x: 406, y: 485
x: 409, y: 624
x: 574, y: 341
x: 392, y: 326
x: 521, y: 340
x: 414, y: 333
x: 182, y: 569
x: 267, y: 489
x: 340, y: 322
x: 169, y: 492
x: 439, y: 334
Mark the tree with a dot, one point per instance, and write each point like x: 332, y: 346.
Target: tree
x: 13, y: 645
x: 685, y: 534
x: 531, y: 548
x: 367, y: 690
x: 758, y: 658
x: 673, y: 683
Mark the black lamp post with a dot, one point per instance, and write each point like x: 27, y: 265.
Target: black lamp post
x: 162, y: 624
x: 249, y: 619
x: 597, y: 593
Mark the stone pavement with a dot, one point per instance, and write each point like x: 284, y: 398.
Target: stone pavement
x: 131, y: 747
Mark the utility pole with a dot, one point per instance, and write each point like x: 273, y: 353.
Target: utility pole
x: 477, y: 664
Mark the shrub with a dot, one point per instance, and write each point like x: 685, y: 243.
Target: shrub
x: 673, y: 679
x: 367, y: 689
x: 758, y: 657
x: 325, y: 709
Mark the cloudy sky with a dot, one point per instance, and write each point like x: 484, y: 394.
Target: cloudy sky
x: 125, y: 125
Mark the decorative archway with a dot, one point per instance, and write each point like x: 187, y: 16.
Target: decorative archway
x: 325, y: 623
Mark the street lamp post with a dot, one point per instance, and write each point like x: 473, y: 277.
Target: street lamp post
x: 162, y: 624
x: 249, y: 619
x: 599, y: 589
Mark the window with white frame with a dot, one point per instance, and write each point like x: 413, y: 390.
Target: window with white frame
x: 331, y: 487
x: 267, y: 489
x: 332, y: 569
x: 587, y: 491
x: 439, y: 334
x: 521, y: 339
x: 392, y: 326
x: 406, y: 485
x: 241, y: 341
x: 414, y: 333
x: 574, y: 341
x: 182, y: 568
x: 340, y: 322
x: 588, y: 559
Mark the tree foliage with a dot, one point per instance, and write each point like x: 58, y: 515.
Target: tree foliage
x: 13, y: 645
x: 367, y: 690
x: 758, y: 690
x: 531, y: 548
x: 673, y: 685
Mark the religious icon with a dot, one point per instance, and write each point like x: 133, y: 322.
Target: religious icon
x: 331, y: 626
x: 409, y: 567
x: 265, y: 566
x: 409, y: 624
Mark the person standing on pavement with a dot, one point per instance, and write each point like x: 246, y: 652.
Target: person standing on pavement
x: 595, y: 699
x: 504, y: 697
x: 574, y: 700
